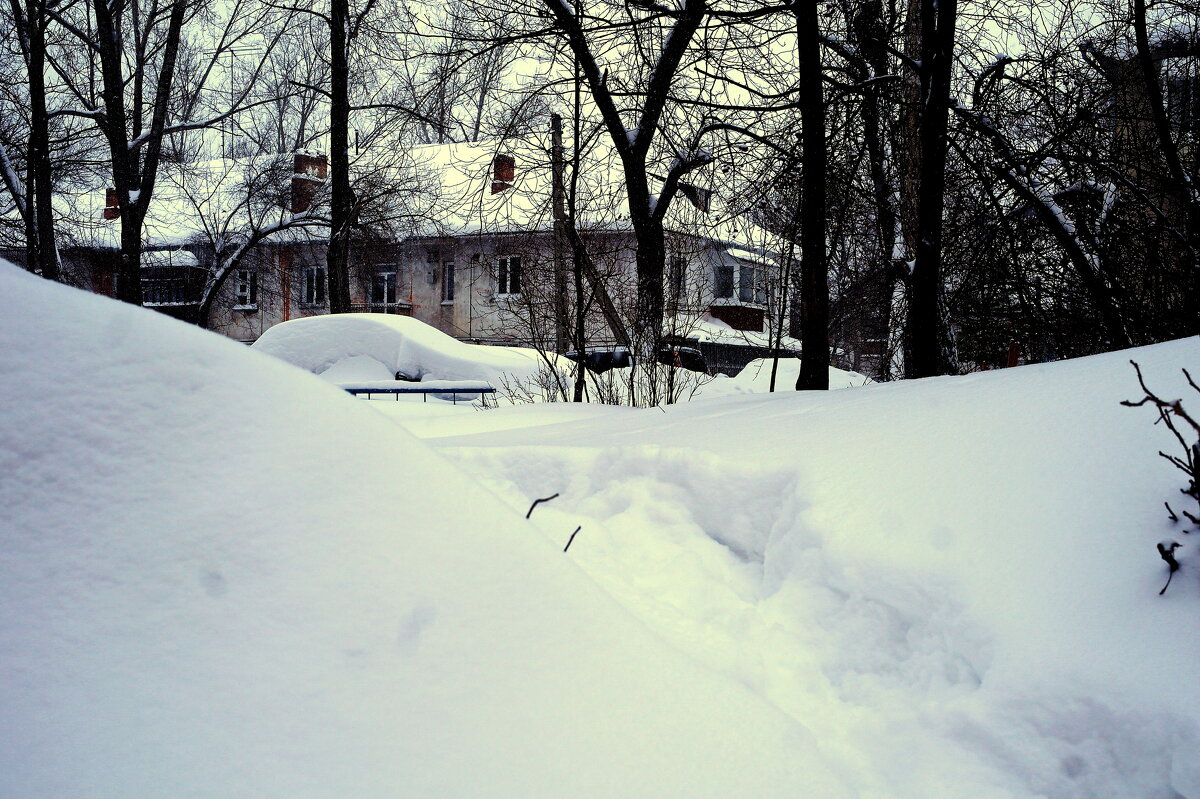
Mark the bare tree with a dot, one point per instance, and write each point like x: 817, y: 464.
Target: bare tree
x: 34, y: 198
x: 127, y: 88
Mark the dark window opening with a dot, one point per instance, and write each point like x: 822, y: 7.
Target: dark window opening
x: 508, y: 275
x: 314, y: 286
x: 676, y: 272
x: 383, y: 289
x: 247, y: 288
x: 165, y: 285
x: 723, y: 281
x: 448, y: 281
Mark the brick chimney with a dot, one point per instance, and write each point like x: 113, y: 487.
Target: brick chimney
x: 308, y: 173
x: 112, y: 207
x: 504, y: 169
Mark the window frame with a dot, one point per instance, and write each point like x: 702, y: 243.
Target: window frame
x: 165, y: 286
x: 756, y: 290
x: 246, y: 300
x: 725, y: 280
x: 313, y: 290
x: 677, y: 278
x: 379, y: 281
x: 448, y: 275
x: 509, y: 270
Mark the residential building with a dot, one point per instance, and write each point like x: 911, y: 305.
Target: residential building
x: 478, y: 256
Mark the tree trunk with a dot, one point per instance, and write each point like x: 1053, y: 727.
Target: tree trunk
x: 562, y: 322
x: 926, y: 326
x: 651, y: 256
x: 133, y: 175
x: 116, y: 132
x: 1181, y: 185
x: 814, y: 275
x: 43, y: 251
x: 341, y: 204
x: 869, y: 35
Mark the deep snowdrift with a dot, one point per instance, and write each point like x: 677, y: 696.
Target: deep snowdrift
x: 366, y: 346
x: 755, y: 378
x: 221, y: 577
x: 953, y: 582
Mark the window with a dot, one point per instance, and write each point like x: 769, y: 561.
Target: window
x: 383, y: 288
x: 246, y: 287
x: 448, y: 281
x: 1182, y: 99
x: 508, y: 274
x: 746, y: 280
x: 169, y: 277
x: 750, y: 284
x: 723, y: 281
x: 314, y: 286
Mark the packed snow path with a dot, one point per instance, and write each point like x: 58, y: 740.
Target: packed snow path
x: 952, y: 583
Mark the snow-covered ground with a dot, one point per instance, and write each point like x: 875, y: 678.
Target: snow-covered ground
x: 951, y: 582
x: 222, y: 577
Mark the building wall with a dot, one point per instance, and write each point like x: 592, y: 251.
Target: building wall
x: 277, y: 282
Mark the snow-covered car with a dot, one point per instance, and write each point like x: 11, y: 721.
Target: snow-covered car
x: 358, y: 348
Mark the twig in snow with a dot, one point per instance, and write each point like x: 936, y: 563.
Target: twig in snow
x: 577, y: 529
x: 1168, y: 554
x: 1170, y: 412
x: 537, y: 502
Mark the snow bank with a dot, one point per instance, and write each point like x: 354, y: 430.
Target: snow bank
x: 952, y: 581
x: 755, y: 378
x: 221, y: 577
x: 707, y: 328
x: 350, y: 346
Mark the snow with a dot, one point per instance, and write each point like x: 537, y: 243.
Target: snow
x: 358, y: 369
x: 755, y: 378
x: 707, y: 328
x: 953, y: 582
x: 347, y: 348
x: 221, y: 576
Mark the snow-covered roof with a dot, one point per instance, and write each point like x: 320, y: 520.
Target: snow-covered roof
x: 451, y: 190
x: 466, y: 177
x: 201, y: 201
x: 708, y: 329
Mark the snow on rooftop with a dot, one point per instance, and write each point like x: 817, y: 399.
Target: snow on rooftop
x: 204, y: 200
